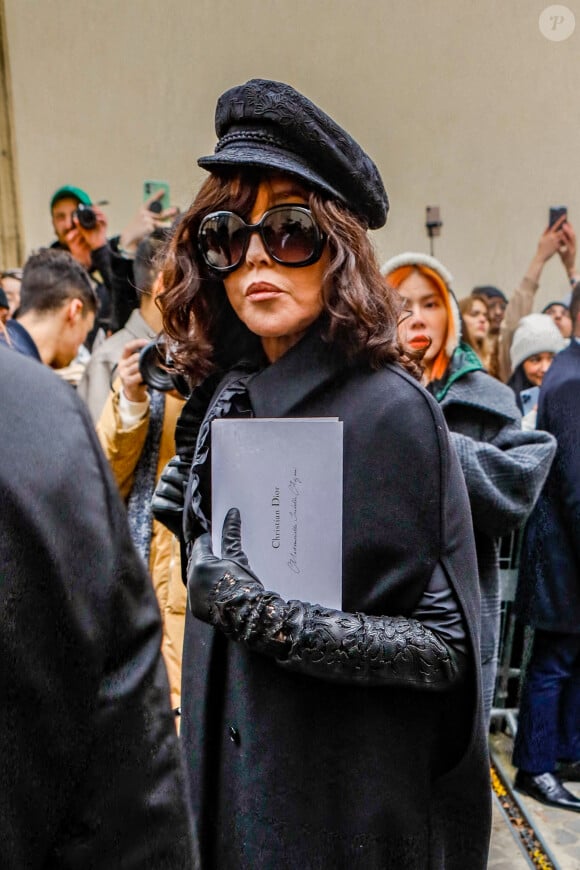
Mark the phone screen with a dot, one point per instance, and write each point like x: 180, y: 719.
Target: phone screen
x: 529, y: 398
x: 152, y: 187
x: 556, y: 212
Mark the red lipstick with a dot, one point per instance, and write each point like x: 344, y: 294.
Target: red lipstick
x: 419, y: 342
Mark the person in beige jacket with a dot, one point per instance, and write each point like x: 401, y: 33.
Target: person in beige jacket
x: 123, y: 448
x: 136, y: 429
x: 561, y: 239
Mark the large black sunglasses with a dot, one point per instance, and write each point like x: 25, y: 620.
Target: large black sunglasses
x: 289, y: 233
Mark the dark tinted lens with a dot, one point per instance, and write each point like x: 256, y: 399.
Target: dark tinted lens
x: 290, y: 234
x: 238, y: 236
x: 221, y: 237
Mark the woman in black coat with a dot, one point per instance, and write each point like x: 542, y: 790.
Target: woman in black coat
x: 316, y: 737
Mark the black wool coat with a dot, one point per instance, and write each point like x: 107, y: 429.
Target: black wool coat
x: 548, y: 595
x: 290, y: 771
x: 91, y: 775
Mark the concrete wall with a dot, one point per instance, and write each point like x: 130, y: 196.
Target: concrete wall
x: 462, y: 104
x: 11, y: 241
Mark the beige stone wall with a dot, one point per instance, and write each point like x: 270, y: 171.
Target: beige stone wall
x: 11, y: 242
x: 463, y: 104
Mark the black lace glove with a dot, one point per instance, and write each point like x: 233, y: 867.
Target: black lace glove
x: 324, y: 643
x: 169, y: 496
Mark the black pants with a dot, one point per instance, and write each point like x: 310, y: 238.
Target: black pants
x: 549, y: 720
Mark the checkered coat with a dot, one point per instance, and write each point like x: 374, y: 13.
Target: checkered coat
x: 504, y: 468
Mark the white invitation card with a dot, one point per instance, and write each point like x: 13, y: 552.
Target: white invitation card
x: 285, y: 477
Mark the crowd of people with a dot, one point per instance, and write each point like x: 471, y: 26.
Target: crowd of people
x: 287, y: 734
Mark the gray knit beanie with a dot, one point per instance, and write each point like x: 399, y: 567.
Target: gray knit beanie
x: 536, y: 333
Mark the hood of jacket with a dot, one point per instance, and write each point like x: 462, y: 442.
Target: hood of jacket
x: 466, y: 382
x: 416, y: 259
x: 463, y: 360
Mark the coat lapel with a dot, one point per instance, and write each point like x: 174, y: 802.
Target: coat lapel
x: 303, y: 370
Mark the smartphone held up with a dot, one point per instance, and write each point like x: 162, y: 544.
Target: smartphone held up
x: 156, y: 196
x: 529, y: 399
x: 557, y: 212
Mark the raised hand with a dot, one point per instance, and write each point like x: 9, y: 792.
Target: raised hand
x: 134, y: 388
x: 143, y: 222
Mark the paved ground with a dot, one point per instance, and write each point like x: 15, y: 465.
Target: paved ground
x: 560, y: 829
x: 504, y: 853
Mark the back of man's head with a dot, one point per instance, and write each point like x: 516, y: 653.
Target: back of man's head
x: 52, y: 277
x: 145, y: 265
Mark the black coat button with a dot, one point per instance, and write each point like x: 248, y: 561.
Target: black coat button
x: 234, y: 734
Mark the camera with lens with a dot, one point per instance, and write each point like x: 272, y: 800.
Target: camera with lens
x: 157, y: 369
x: 86, y: 216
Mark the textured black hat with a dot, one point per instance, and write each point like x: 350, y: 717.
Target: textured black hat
x: 269, y: 124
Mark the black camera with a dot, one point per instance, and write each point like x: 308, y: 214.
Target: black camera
x: 157, y: 370
x: 86, y: 216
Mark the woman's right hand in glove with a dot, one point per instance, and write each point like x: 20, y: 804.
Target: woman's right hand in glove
x: 324, y: 643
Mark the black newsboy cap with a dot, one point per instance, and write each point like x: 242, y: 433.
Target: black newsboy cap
x: 269, y: 124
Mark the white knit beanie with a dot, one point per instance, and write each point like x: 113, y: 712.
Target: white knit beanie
x: 536, y: 333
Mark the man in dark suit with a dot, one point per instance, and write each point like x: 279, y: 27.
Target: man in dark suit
x: 90, y: 763
x: 547, y: 747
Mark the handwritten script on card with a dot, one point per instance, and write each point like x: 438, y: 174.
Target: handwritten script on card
x: 285, y: 477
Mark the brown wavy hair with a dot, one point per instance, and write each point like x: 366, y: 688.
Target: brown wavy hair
x: 360, y: 315
x: 486, y: 348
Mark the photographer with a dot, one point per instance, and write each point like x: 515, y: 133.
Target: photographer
x: 144, y: 323
x: 81, y: 229
x: 136, y: 430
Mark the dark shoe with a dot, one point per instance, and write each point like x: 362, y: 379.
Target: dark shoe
x: 568, y: 771
x: 546, y: 788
